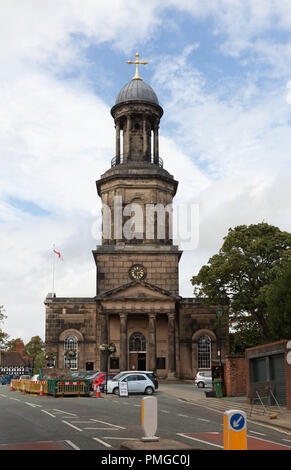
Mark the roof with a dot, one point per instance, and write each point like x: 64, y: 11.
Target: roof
x: 137, y: 90
x: 14, y: 358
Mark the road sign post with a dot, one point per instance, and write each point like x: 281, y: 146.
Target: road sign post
x: 235, y: 430
x: 149, y: 418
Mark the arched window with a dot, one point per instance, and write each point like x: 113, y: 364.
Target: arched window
x: 137, y: 342
x: 204, y: 352
x: 71, y: 352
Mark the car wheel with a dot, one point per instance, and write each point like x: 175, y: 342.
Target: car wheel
x: 149, y: 391
x: 116, y: 391
x: 200, y: 385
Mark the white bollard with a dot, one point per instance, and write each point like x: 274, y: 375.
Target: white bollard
x: 149, y: 419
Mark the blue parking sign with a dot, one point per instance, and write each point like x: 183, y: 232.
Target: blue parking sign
x: 237, y: 422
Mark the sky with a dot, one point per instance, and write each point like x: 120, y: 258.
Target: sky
x: 222, y: 72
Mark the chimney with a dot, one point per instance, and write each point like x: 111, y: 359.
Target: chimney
x: 19, y: 346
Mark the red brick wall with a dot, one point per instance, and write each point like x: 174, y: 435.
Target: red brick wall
x: 235, y: 376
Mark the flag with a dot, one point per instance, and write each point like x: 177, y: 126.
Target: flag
x: 58, y: 254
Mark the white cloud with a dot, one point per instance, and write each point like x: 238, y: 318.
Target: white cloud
x: 229, y: 149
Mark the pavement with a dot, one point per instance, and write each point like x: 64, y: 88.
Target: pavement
x: 275, y: 417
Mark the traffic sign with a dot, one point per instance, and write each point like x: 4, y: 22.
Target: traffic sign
x: 235, y: 430
x: 237, y: 421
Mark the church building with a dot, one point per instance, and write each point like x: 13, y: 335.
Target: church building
x: 137, y: 308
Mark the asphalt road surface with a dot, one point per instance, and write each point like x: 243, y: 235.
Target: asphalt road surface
x: 87, y: 423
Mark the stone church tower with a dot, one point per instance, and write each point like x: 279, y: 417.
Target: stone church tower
x: 137, y: 304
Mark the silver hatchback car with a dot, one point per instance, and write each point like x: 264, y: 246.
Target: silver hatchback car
x: 203, y: 379
x: 136, y: 383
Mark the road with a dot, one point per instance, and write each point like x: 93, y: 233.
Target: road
x: 89, y: 423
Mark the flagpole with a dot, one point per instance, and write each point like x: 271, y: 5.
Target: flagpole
x: 53, y: 270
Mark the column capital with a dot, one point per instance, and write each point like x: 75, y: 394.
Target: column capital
x: 152, y: 314
x: 171, y: 315
x: 123, y: 314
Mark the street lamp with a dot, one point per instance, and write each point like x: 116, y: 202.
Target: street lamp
x: 107, y: 349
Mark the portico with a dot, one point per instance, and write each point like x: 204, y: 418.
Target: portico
x: 134, y: 317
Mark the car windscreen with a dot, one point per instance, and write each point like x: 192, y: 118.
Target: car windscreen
x: 118, y: 376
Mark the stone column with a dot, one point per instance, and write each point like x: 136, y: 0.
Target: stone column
x: 128, y: 130
x: 152, y: 341
x: 171, y: 345
x: 103, y: 340
x: 123, y: 342
x: 156, y: 144
x: 145, y: 137
x: 117, y: 150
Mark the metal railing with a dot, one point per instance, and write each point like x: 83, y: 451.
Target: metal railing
x: 119, y: 160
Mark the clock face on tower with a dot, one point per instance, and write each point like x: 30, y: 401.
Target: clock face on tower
x: 137, y: 272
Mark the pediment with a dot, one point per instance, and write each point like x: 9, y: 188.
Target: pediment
x: 138, y: 290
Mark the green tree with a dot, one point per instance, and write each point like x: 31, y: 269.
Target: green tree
x: 3, y: 336
x: 278, y: 299
x: 11, y: 344
x: 35, y: 348
x: 239, y: 275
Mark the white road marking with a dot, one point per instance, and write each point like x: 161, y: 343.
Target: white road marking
x: 29, y: 404
x: 123, y: 438
x: 16, y: 399
x: 81, y: 422
x: 109, y: 424
x: 205, y: 420
x: 200, y: 440
x: 102, y: 442
x: 65, y: 412
x: 183, y: 416
x: 44, y: 411
x: 73, y: 445
x: 165, y: 411
x: 1, y: 395
x: 72, y: 426
x: 287, y: 440
x: 104, y: 429
x: 259, y: 433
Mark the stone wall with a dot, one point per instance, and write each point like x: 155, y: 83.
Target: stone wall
x: 113, y: 269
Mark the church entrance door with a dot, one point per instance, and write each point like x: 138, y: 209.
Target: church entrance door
x: 137, y: 352
x: 141, y: 361
x: 137, y: 361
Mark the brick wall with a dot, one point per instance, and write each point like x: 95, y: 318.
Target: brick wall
x: 288, y: 375
x: 235, y: 376
x: 269, y: 348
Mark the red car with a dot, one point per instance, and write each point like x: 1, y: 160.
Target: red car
x: 101, y: 379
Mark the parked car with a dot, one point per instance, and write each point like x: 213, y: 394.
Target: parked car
x: 82, y: 373
x: 151, y: 375
x: 136, y: 383
x: 101, y: 379
x: 203, y: 379
x: 35, y: 378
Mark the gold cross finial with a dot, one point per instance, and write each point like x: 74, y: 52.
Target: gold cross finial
x: 136, y: 62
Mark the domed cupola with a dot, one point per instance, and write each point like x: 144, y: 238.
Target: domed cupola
x: 137, y: 116
x: 137, y: 90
